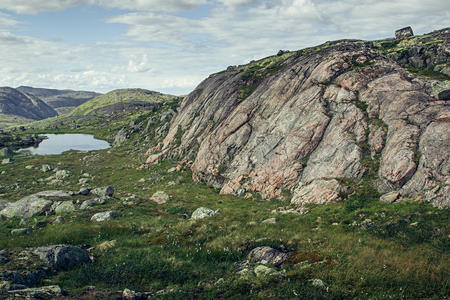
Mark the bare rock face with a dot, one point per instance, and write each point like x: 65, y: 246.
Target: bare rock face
x: 302, y: 120
x: 404, y: 32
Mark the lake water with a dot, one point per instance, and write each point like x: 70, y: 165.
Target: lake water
x: 59, y: 143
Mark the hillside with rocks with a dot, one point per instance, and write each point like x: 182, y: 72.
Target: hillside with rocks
x: 63, y: 101
x: 14, y: 102
x: 320, y: 120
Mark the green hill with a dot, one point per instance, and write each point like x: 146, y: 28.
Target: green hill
x: 121, y: 100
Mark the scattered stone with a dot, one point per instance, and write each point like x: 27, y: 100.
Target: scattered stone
x: 103, y: 216
x: 203, y: 212
x: 46, y: 168
x: 84, y: 191
x: 29, y: 167
x: 27, y: 207
x: 62, y: 174
x: 264, y: 271
x: 106, y: 191
x: 44, y: 292
x: 91, y: 202
x: 84, y: 181
x: 21, y: 231
x: 58, y: 220
x: 319, y: 283
x: 291, y: 210
x: 390, y: 197
x: 54, y: 193
x: 62, y: 257
x: 444, y: 95
x: 404, y: 33
x: 128, y: 294
x: 268, y: 255
x: 269, y: 221
x: 3, y: 204
x: 7, y: 161
x: 6, y: 152
x: 64, y: 207
x: 171, y: 170
x: 107, y: 245
x: 160, y: 197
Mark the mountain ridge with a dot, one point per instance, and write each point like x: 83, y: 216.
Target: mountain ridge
x: 310, y: 120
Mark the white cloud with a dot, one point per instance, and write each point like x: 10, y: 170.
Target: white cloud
x: 168, y: 52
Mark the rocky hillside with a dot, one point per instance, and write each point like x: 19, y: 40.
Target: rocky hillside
x: 121, y: 101
x: 63, y: 101
x: 320, y: 121
x: 15, y: 103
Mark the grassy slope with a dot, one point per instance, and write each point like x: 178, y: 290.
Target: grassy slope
x: 405, y: 254
x: 120, y: 96
x: 12, y: 120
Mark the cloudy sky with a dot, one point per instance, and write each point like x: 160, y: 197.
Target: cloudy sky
x: 171, y: 45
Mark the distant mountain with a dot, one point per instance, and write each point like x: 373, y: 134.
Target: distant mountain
x: 63, y: 101
x: 121, y: 100
x: 16, y: 103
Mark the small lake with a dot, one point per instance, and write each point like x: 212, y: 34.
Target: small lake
x: 59, y: 143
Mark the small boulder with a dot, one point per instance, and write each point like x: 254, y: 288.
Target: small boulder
x: 404, y: 33
x: 319, y: 283
x: 84, y: 191
x: 106, y: 191
x: 21, y: 231
x: 107, y: 245
x: 160, y: 197
x: 27, y: 207
x: 268, y: 256
x: 91, y: 202
x: 62, y: 174
x: 269, y: 221
x: 103, y: 216
x: 390, y: 197
x: 203, y: 212
x: 62, y: 257
x: 46, y: 168
x: 263, y: 271
x: 444, y: 95
x: 6, y: 152
x: 65, y: 207
x: 44, y: 292
x: 58, y: 220
x: 7, y: 161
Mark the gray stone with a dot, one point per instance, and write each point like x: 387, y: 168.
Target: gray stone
x: 46, y: 168
x: 319, y: 283
x: 58, y: 220
x: 7, y: 161
x: 44, y: 292
x: 106, y: 191
x: 404, y: 32
x: 120, y: 137
x: 21, y: 231
x: 103, y: 216
x: 267, y: 256
x: 27, y: 207
x: 263, y: 271
x: 203, y: 212
x: 6, y: 152
x: 270, y: 221
x: 65, y: 207
x: 84, y: 191
x: 54, y: 193
x: 62, y: 174
x: 160, y: 197
x: 62, y: 257
x: 3, y: 204
x: 92, y: 202
x: 390, y: 197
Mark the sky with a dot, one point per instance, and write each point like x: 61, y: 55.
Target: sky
x: 170, y: 46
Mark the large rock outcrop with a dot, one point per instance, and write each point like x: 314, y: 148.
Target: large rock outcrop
x: 302, y: 120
